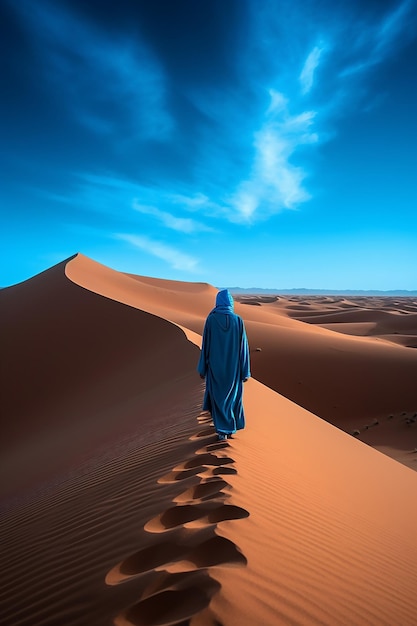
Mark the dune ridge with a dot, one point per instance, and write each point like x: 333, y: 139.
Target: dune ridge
x: 142, y: 517
x: 350, y: 380
x: 347, y: 379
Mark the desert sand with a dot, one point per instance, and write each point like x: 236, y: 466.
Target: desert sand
x: 118, y: 506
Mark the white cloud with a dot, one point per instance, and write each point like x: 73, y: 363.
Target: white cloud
x: 177, y: 259
x: 246, y: 200
x: 297, y: 124
x: 115, y: 195
x: 307, y: 73
x: 194, y: 202
x: 275, y: 183
x: 180, y: 224
x: 278, y: 102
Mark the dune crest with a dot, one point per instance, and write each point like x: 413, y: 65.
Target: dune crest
x: 185, y: 304
x: 362, y: 383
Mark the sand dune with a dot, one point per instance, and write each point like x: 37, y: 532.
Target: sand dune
x: 186, y: 304
x: 74, y: 360
x: 381, y: 317
x: 119, y: 507
x: 325, y: 542
x: 351, y: 381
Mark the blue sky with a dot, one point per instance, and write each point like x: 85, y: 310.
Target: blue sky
x: 237, y: 142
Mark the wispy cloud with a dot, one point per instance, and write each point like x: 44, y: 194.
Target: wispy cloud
x: 349, y: 42
x: 119, y: 196
x: 193, y: 202
x: 180, y: 224
x: 247, y: 147
x: 373, y: 43
x: 307, y: 73
x: 392, y: 26
x: 175, y: 258
x: 275, y: 183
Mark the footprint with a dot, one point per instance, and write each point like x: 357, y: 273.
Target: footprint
x: 207, y: 432
x: 204, y: 491
x: 205, y: 459
x: 226, y: 512
x: 181, y: 474
x: 220, y: 471
x: 166, y: 608
x: 175, y: 516
x: 195, y: 466
x: 213, y: 552
x: 172, y: 581
x: 175, y: 558
x: 145, y: 560
x: 171, y: 606
x: 207, y: 513
x: 219, y: 445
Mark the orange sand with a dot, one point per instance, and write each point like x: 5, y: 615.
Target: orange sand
x: 118, y: 506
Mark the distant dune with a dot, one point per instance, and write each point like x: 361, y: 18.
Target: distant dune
x: 352, y: 361
x: 119, y: 506
x: 322, y: 292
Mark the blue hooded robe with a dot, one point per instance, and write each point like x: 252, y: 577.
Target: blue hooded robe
x: 224, y: 362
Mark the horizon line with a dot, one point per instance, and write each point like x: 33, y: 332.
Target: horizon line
x: 318, y: 291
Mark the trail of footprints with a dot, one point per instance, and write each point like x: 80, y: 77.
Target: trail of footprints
x: 173, y: 574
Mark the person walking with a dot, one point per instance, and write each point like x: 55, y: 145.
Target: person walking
x: 225, y: 365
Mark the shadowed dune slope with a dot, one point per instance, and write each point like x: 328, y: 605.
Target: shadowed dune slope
x: 78, y: 369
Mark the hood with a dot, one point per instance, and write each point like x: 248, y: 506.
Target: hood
x: 223, y: 309
x: 224, y: 300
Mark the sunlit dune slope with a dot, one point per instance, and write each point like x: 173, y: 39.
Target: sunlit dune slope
x: 331, y: 534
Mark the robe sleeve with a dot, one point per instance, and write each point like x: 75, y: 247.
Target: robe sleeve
x: 244, y: 354
x: 204, y: 355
